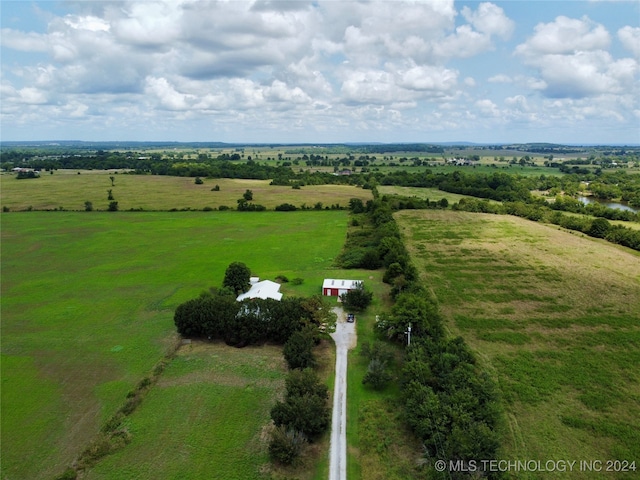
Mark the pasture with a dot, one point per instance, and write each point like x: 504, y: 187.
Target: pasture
x: 69, y: 190
x: 87, y: 311
x: 553, y: 317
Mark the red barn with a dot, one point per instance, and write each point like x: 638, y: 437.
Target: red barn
x: 334, y: 288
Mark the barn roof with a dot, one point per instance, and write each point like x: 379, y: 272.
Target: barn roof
x: 340, y: 283
x: 264, y: 289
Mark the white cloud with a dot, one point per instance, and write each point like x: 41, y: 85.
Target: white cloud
x: 487, y: 107
x: 489, y: 19
x: 571, y: 58
x: 630, y: 38
x: 565, y: 36
x: 500, y: 78
x: 26, y: 42
x: 91, y: 23
x: 166, y: 94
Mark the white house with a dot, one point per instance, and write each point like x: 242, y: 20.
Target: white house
x: 264, y: 289
x: 335, y: 287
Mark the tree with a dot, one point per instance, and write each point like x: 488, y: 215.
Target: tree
x: 357, y: 299
x: 110, y: 194
x: 88, y: 206
x: 377, y: 374
x: 599, y: 228
x: 298, y: 350
x: 113, y: 207
x: 286, y: 444
x: 198, y: 181
x: 237, y: 277
x: 113, y: 179
x: 248, y: 195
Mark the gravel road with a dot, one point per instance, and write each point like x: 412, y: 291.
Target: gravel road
x: 345, y: 339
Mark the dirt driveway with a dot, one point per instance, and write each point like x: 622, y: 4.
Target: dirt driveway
x: 345, y: 339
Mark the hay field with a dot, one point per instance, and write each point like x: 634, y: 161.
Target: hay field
x: 87, y: 308
x: 70, y: 191
x: 554, y: 317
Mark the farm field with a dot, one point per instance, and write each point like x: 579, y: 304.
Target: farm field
x: 553, y: 317
x: 67, y: 189
x: 432, y: 194
x: 87, y: 311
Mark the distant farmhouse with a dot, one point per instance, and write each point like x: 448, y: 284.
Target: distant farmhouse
x: 334, y: 288
x: 261, y: 289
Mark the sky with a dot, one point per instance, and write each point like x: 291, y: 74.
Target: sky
x: 321, y: 71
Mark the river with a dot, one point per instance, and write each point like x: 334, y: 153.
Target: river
x: 608, y: 203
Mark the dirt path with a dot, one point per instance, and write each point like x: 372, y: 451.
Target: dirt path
x: 345, y: 339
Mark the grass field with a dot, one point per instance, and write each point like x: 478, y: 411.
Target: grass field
x: 87, y: 310
x: 205, y: 418
x: 553, y: 317
x: 70, y: 191
x: 432, y: 194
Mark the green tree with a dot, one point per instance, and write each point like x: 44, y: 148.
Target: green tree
x: 198, y: 181
x: 88, y: 206
x: 286, y: 444
x: 248, y: 195
x: 237, y: 277
x: 298, y: 350
x: 113, y: 207
x: 357, y: 299
x: 377, y: 375
x: 599, y: 228
x: 110, y: 194
x: 305, y: 382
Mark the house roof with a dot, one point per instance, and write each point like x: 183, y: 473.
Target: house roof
x: 264, y: 289
x: 339, y: 283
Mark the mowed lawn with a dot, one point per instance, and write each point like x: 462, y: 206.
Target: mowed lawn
x: 67, y: 189
x: 88, y: 301
x: 555, y: 319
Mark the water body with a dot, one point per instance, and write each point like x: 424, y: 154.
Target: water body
x: 608, y: 203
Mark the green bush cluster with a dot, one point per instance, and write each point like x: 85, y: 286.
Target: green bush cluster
x: 305, y: 407
x: 218, y: 315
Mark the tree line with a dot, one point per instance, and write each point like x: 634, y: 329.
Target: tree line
x: 450, y: 404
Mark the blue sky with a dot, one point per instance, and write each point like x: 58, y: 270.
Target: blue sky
x: 321, y: 71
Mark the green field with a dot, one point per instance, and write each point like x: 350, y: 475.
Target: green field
x: 206, y: 417
x: 70, y: 191
x: 87, y: 311
x: 553, y: 316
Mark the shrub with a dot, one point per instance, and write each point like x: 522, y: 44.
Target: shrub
x: 198, y: 181
x: 285, y: 445
x: 297, y: 281
x: 286, y: 207
x: 216, y: 188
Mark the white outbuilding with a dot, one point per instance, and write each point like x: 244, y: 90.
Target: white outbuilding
x: 264, y: 289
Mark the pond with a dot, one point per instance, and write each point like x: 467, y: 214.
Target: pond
x: 608, y: 203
